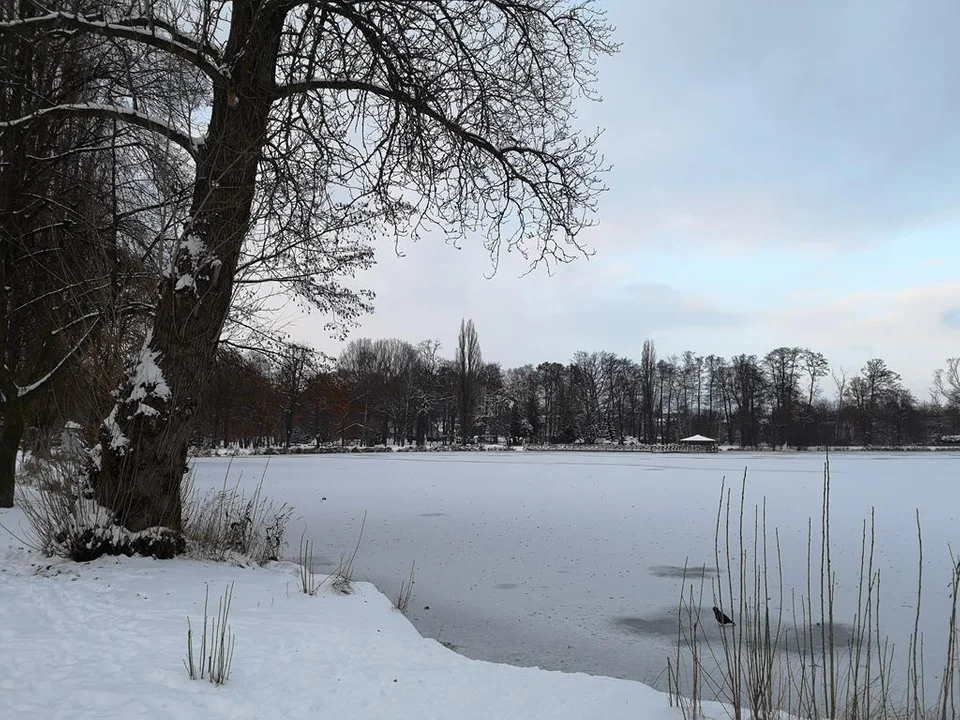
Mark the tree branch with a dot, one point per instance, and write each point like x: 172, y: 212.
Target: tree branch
x: 138, y: 29
x: 420, y: 106
x: 114, y: 112
x: 23, y: 392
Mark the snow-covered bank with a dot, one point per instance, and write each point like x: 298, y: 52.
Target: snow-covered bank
x: 107, y: 640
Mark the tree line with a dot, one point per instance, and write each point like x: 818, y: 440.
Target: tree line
x: 393, y: 391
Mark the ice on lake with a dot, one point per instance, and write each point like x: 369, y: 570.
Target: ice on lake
x: 575, y: 561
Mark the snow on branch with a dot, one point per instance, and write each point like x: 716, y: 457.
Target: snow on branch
x: 139, y: 29
x: 117, y: 112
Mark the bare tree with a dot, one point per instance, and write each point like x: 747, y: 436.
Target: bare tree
x: 431, y: 394
x: 867, y: 391
x: 469, y: 365
x: 648, y: 385
x: 747, y: 387
x: 65, y: 256
x: 841, y: 383
x: 782, y: 367
x: 946, y: 381
x: 815, y: 366
x: 293, y: 373
x: 422, y: 115
x: 715, y: 370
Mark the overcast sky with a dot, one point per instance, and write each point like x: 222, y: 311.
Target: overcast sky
x: 784, y: 174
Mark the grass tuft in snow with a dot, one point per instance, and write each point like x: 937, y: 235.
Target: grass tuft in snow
x: 406, y: 591
x: 308, y: 581
x: 342, y: 577
x: 216, y: 642
x: 227, y: 525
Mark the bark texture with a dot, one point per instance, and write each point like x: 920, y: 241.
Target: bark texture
x: 10, y: 435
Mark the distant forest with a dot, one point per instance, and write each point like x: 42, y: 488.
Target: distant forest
x: 395, y: 392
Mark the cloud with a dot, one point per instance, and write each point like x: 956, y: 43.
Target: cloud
x: 764, y: 123
x: 593, y: 305
x: 910, y: 329
x: 951, y: 318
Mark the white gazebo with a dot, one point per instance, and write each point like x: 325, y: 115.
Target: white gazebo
x: 698, y: 443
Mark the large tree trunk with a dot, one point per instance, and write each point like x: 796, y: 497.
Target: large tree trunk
x: 143, y: 450
x: 10, y: 436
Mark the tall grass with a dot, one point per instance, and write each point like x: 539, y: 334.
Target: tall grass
x: 228, y: 524
x: 402, y: 602
x: 786, y: 653
x: 341, y: 579
x: 216, y: 642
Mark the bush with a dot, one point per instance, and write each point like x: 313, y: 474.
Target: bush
x: 66, y: 521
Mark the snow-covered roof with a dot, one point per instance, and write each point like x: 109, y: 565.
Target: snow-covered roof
x: 697, y: 439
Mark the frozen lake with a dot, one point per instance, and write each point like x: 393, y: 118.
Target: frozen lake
x: 569, y: 561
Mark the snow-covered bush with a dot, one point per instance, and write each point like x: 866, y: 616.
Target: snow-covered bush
x: 227, y: 525
x: 66, y: 521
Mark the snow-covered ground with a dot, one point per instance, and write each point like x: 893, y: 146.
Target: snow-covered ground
x: 106, y: 640
x: 570, y: 561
